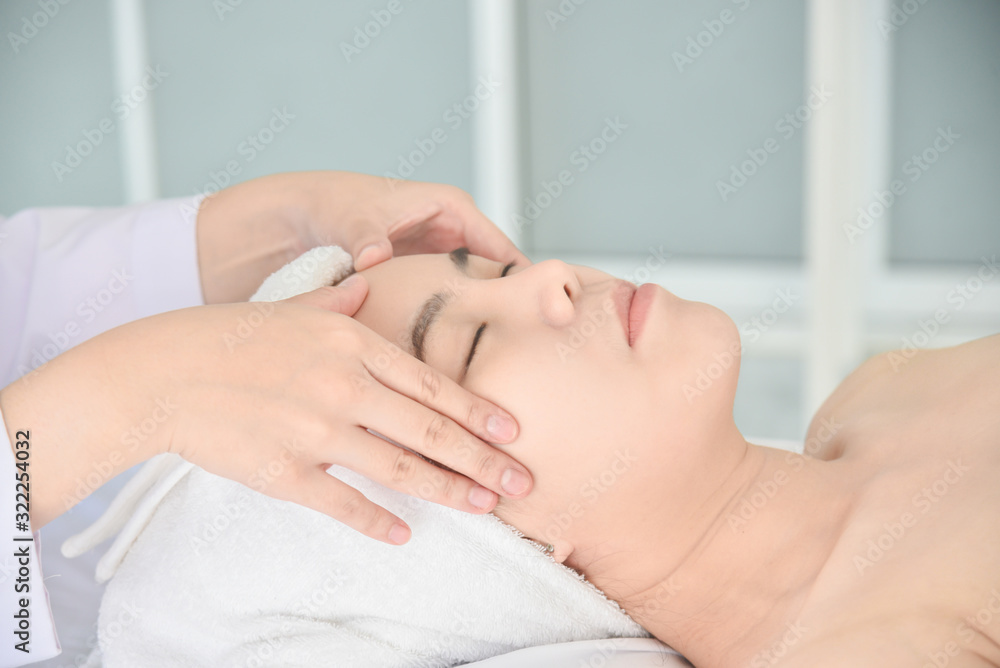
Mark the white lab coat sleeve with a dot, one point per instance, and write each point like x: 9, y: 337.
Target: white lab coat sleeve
x: 68, y: 274
x: 27, y: 630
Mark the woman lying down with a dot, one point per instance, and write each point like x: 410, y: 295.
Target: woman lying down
x: 879, y: 546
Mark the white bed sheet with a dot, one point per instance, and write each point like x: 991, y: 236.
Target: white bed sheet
x: 76, y: 597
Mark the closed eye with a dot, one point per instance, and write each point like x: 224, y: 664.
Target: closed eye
x: 482, y: 327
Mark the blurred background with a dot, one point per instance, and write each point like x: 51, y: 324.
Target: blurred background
x: 824, y: 171
x: 737, y: 152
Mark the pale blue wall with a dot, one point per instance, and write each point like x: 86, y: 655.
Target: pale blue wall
x: 656, y: 184
x: 223, y: 78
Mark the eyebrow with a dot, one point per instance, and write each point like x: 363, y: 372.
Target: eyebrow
x: 431, y: 309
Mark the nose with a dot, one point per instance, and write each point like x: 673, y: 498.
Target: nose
x: 557, y: 289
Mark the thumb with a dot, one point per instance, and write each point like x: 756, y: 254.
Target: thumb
x: 345, y: 297
x: 369, y: 252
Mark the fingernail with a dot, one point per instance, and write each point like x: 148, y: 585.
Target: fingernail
x: 369, y: 247
x: 500, y: 428
x: 399, y: 534
x: 480, y: 497
x: 514, y: 482
x: 349, y: 281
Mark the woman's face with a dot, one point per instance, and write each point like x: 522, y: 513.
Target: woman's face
x: 600, y: 419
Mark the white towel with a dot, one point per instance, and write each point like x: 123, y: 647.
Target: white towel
x: 207, y: 572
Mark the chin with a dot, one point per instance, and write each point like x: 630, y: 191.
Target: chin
x: 702, y: 353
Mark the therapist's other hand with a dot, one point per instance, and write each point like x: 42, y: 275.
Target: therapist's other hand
x: 374, y: 218
x: 247, y: 231
x: 268, y: 394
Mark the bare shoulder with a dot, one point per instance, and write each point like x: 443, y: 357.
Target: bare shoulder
x: 947, y: 381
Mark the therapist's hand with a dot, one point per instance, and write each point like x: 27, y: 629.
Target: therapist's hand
x: 252, y: 229
x: 269, y: 394
x: 383, y: 217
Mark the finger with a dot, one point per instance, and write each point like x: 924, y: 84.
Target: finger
x: 322, y: 492
x: 346, y: 297
x: 409, y: 376
x: 484, y: 238
x: 369, y: 251
x: 404, y: 471
x: 438, y: 437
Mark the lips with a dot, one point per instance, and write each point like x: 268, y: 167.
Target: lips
x: 642, y: 300
x: 623, y: 294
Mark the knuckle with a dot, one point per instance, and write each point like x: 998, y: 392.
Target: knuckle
x: 360, y: 513
x: 457, y: 194
x: 436, y: 434
x: 476, y: 414
x: 351, y: 508
x: 343, y: 334
x: 404, y: 467
x: 316, y: 428
x: 486, y: 463
x: 448, y: 487
x: 430, y: 384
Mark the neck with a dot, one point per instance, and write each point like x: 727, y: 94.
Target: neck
x: 722, y: 567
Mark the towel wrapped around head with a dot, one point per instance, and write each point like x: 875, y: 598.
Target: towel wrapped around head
x: 208, y: 572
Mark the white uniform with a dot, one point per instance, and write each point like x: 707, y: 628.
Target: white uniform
x: 67, y: 274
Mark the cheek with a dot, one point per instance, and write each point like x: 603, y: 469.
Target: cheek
x: 584, y: 425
